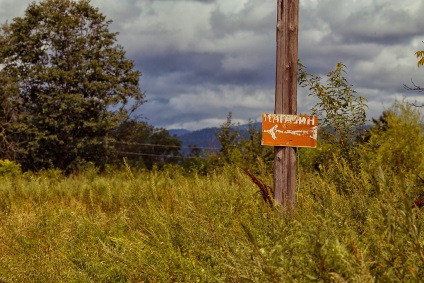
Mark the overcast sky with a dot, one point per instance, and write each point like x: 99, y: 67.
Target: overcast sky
x: 201, y: 59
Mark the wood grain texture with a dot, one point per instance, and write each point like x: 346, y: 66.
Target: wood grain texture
x: 286, y: 98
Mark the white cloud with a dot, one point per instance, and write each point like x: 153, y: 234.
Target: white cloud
x: 231, y: 7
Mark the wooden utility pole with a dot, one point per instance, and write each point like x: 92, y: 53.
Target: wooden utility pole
x: 286, y: 98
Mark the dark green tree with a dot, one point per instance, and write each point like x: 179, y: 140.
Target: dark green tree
x: 144, y: 146
x: 9, y: 117
x: 378, y: 126
x: 69, y: 85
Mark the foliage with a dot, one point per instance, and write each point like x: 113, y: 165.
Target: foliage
x: 164, y: 226
x: 143, y: 145
x: 229, y: 137
x: 256, y: 158
x: 396, y: 141
x: 197, y: 161
x: 242, y: 147
x: 342, y: 117
x: 9, y: 168
x: 342, y: 114
x: 316, y: 159
x: 9, y: 117
x: 420, y: 57
x: 65, y: 84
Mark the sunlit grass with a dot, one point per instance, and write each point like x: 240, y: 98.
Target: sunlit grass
x: 166, y: 226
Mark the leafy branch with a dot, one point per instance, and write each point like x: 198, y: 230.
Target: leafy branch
x: 342, y: 114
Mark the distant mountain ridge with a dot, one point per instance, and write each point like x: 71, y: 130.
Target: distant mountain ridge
x: 178, y: 132
x: 204, y: 138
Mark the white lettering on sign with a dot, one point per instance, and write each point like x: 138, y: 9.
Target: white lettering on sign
x: 289, y: 130
x: 291, y: 119
x: 312, y: 133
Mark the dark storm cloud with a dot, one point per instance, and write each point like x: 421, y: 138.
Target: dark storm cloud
x: 205, y: 68
x: 382, y: 24
x: 201, y: 59
x: 375, y: 39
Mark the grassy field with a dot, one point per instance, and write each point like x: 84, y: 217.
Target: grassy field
x: 167, y: 226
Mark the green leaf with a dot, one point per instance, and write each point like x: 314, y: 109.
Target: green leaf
x: 72, y: 81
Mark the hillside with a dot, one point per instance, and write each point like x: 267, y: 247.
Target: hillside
x: 204, y: 138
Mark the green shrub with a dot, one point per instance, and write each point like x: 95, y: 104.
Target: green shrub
x: 9, y: 168
x: 398, y: 143
x: 315, y: 159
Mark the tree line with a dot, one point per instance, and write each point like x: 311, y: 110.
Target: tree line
x: 68, y: 93
x: 68, y: 97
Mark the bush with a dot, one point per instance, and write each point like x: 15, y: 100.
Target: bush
x: 9, y: 168
x: 397, y: 144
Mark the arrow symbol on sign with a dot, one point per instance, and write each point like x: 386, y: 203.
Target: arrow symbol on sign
x: 274, y: 130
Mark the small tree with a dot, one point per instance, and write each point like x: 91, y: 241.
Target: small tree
x: 342, y: 114
x: 342, y: 117
x: 73, y: 85
x: 228, y: 136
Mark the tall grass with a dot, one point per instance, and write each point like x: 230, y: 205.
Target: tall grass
x: 166, y: 226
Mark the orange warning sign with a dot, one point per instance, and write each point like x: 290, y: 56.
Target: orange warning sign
x: 289, y: 130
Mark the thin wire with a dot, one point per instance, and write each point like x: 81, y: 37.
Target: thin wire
x: 155, y: 155
x: 164, y: 145
x: 146, y: 154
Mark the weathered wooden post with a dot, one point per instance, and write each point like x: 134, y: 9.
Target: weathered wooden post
x: 286, y: 98
x: 284, y: 129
